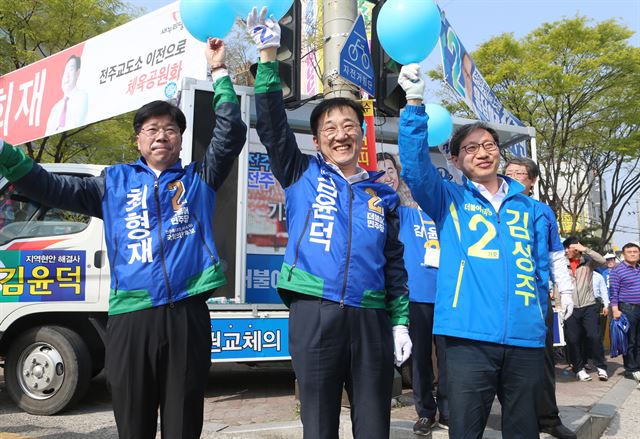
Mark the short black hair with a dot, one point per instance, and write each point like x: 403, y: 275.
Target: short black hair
x: 462, y: 132
x: 570, y: 240
x: 533, y: 171
x: 76, y: 59
x: 629, y: 245
x: 330, y: 104
x: 381, y: 156
x: 159, y: 108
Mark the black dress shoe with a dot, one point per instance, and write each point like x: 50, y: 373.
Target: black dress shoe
x: 559, y: 431
x: 424, y: 425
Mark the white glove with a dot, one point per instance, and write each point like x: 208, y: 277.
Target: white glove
x: 264, y: 31
x: 411, y: 82
x: 401, y: 344
x: 566, y: 302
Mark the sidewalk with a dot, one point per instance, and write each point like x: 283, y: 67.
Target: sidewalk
x: 585, y: 407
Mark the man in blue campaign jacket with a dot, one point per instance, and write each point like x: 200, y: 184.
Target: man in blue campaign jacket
x: 163, y: 259
x: 421, y: 259
x: 492, y: 295
x: 343, y: 275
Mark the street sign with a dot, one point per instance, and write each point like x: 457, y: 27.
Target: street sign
x: 355, y: 58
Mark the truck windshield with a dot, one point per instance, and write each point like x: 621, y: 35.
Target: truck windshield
x: 21, y: 217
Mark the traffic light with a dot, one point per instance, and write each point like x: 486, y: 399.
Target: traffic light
x: 390, y: 97
x: 289, y: 53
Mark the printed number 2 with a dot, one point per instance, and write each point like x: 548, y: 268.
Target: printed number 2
x: 478, y: 249
x: 177, y: 200
x: 374, y: 201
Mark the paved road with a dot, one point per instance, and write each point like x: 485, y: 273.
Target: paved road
x: 236, y: 395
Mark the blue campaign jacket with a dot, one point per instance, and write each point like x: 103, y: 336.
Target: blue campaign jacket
x: 494, y: 266
x: 418, y: 234
x: 158, y: 230
x: 343, y: 238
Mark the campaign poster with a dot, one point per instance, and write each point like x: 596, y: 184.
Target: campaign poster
x: 42, y: 275
x: 110, y: 74
x: 464, y: 78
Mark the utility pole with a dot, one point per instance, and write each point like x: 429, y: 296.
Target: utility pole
x: 338, y: 19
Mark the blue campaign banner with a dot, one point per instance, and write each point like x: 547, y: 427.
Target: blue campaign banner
x: 355, y: 58
x: 261, y: 278
x: 42, y: 275
x: 240, y: 339
x: 464, y: 78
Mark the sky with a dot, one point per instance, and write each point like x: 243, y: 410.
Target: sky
x: 476, y: 21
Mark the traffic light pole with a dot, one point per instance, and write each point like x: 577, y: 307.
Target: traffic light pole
x: 338, y: 19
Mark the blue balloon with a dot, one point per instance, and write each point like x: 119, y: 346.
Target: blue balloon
x: 440, y: 124
x: 276, y: 7
x: 408, y: 30
x: 207, y: 18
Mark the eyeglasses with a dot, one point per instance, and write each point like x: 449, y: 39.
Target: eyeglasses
x: 473, y: 148
x: 516, y: 174
x: 154, y: 131
x: 331, y: 132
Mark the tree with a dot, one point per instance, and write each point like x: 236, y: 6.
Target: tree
x: 33, y: 29
x: 578, y: 85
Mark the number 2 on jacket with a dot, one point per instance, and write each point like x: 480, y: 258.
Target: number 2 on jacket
x: 478, y: 249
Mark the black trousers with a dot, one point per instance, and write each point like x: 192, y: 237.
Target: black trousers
x: 581, y: 328
x: 421, y: 332
x: 478, y: 371
x: 331, y: 348
x: 159, y: 357
x: 632, y: 359
x: 548, y: 414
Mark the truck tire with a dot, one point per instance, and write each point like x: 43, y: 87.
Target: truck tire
x: 47, y: 369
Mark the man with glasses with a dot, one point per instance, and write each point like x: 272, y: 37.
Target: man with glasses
x: 162, y: 254
x: 343, y: 275
x: 493, y: 279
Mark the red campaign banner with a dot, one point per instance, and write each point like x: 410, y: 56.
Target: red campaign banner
x: 33, y: 95
x: 112, y: 73
x: 367, y: 158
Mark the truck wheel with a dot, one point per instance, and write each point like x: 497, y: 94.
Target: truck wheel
x: 47, y: 369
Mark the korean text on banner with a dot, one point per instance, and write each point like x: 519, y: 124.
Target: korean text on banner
x: 464, y: 78
x: 367, y: 158
x: 107, y: 75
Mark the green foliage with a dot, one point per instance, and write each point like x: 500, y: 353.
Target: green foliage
x: 34, y: 29
x: 578, y: 84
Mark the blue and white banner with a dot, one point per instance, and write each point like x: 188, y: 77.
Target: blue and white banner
x: 462, y: 75
x: 244, y: 339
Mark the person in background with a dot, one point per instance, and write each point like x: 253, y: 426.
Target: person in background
x: 343, y: 274
x: 624, y: 283
x: 158, y: 340
x: 526, y: 171
x: 581, y: 329
x: 493, y: 277
x: 605, y: 271
x: 421, y: 259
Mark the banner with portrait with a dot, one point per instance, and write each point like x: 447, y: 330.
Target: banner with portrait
x: 110, y: 74
x: 464, y: 78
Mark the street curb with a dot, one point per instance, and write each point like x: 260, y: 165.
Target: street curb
x: 600, y: 415
x: 589, y: 425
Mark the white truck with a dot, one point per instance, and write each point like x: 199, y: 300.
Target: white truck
x: 54, y: 273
